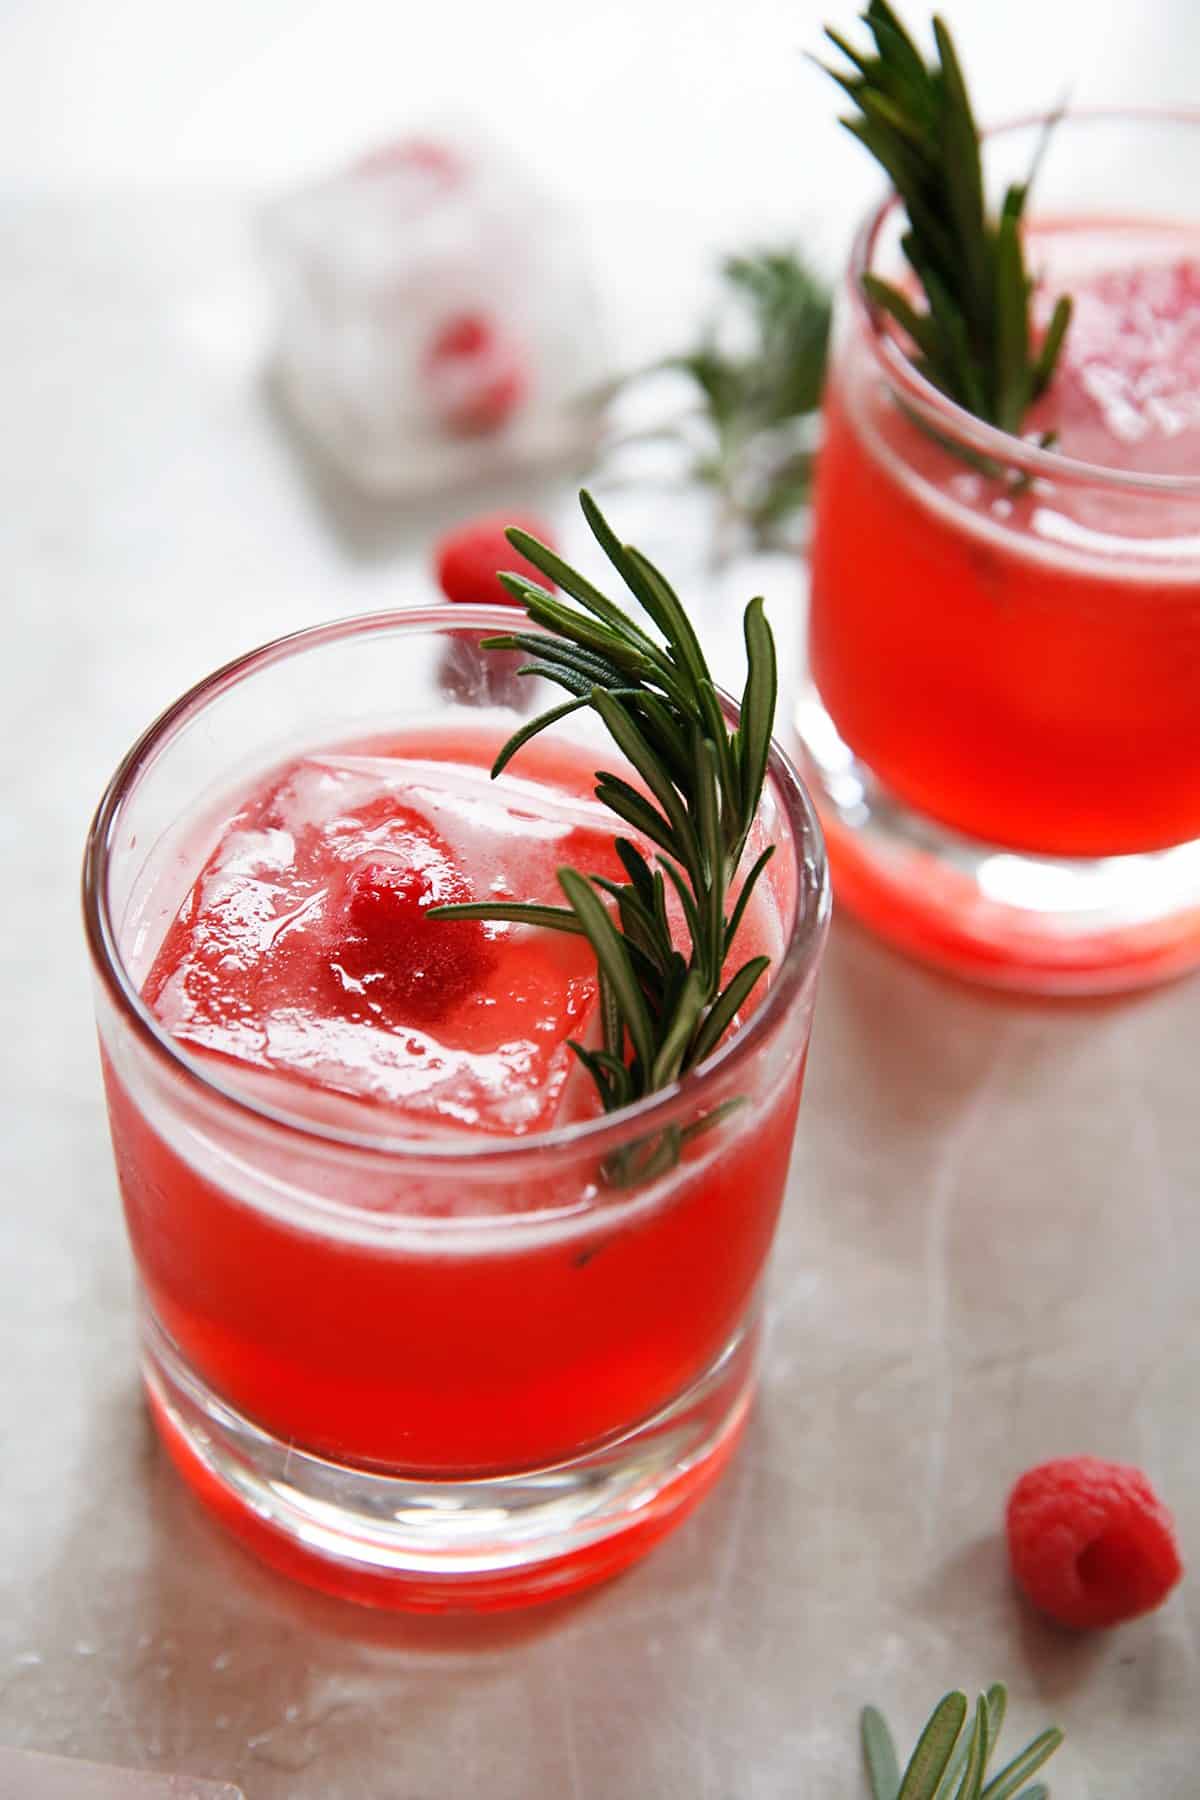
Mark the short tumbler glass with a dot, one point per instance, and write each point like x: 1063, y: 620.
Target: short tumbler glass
x: 428, y: 1373
x: 1002, y: 726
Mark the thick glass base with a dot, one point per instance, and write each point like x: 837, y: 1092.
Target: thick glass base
x: 434, y: 1546
x: 1035, y: 924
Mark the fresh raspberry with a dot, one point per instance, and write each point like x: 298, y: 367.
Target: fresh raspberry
x: 1090, y: 1542
x: 393, y: 955
x: 475, y: 374
x: 469, y: 558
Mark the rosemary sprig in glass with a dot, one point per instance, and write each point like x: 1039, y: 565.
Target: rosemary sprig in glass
x: 661, y: 1011
x: 973, y: 337
x: 950, y: 1763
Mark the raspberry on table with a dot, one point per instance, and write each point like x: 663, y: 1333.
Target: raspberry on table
x: 1090, y: 1542
x: 468, y: 559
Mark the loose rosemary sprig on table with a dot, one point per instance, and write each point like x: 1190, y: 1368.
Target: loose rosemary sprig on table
x: 661, y: 1012
x: 760, y: 369
x: 973, y: 337
x: 950, y: 1763
x: 756, y: 369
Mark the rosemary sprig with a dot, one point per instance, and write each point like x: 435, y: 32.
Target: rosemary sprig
x: 760, y: 369
x: 661, y: 1011
x: 756, y: 370
x: 973, y: 338
x: 950, y: 1763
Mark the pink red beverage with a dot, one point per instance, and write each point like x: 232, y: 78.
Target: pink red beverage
x: 1008, y: 640
x: 368, y: 1188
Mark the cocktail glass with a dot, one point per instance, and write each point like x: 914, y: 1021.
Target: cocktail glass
x: 1002, y: 726
x: 428, y: 1371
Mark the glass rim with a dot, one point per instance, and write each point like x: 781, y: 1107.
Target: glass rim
x: 947, y: 415
x: 793, y: 972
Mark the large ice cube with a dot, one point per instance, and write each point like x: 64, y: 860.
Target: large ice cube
x: 256, y: 968
x: 435, y: 318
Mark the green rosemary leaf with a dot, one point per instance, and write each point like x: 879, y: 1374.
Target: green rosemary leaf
x: 884, y: 112
x: 879, y: 1754
x: 603, y: 671
x: 1013, y: 372
x: 896, y: 161
x: 660, y: 904
x: 708, y: 818
x: 622, y: 562
x: 710, y: 1120
x: 688, y: 904
x: 531, y: 729
x: 743, y: 899
x: 965, y: 378
x: 628, y: 804
x: 961, y: 1756
x: 869, y: 68
x: 671, y: 993
x: 974, y: 339
x: 516, y: 912
x: 963, y: 173
x: 721, y: 741
x: 637, y: 869
x: 614, y: 1067
x: 685, y: 1014
x: 721, y: 1015
x: 1052, y: 343
x: 996, y: 1703
x: 678, y: 629
x: 571, y: 582
x: 632, y: 745
x: 579, y: 685
x: 601, y: 1069
x: 758, y: 704
x: 1004, y: 1785
x: 660, y: 725
x: 644, y: 1158
x: 919, y: 326
x: 997, y: 1699
x: 611, y: 1022
x: 637, y: 920
x: 971, y: 1786
x: 613, y: 958
x: 934, y: 1747
x: 578, y: 628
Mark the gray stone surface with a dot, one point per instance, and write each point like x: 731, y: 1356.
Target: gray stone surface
x: 989, y: 1255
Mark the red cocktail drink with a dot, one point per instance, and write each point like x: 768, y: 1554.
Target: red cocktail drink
x: 1004, y: 641
x: 407, y: 1326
